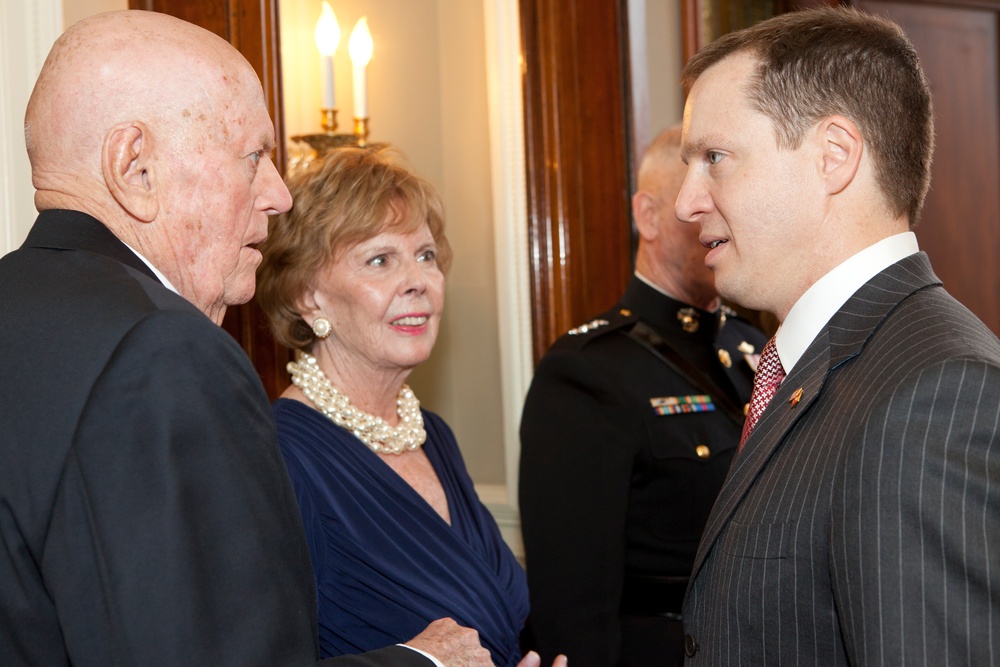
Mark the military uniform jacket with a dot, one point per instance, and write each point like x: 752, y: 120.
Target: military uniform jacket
x: 627, y: 434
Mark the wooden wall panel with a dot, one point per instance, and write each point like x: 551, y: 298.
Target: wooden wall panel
x: 252, y: 27
x: 735, y: 14
x: 959, y: 49
x: 576, y: 141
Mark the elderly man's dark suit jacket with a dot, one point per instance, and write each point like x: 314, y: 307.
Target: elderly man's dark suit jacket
x: 860, y: 525
x: 145, y: 514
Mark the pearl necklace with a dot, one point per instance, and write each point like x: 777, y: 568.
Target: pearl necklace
x: 369, y: 429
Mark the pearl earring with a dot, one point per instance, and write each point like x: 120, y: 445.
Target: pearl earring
x: 321, y: 327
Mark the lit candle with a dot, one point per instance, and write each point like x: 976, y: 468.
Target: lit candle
x: 360, y: 47
x: 327, y: 39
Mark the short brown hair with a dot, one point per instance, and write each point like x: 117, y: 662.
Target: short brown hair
x: 344, y: 198
x: 818, y: 62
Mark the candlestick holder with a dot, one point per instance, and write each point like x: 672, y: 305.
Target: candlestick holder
x: 328, y: 120
x: 328, y: 139
x: 361, y: 130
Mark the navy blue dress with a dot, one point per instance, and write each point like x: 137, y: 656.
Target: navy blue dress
x: 386, y: 564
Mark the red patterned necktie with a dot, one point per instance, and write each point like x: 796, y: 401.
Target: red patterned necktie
x: 765, y: 382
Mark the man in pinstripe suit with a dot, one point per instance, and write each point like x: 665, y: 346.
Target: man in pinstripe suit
x: 860, y: 522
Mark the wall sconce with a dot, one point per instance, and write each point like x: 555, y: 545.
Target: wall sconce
x: 360, y: 46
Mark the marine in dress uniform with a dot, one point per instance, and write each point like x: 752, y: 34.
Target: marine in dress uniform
x: 627, y: 435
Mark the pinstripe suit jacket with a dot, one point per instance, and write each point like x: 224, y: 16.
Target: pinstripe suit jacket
x: 861, y: 523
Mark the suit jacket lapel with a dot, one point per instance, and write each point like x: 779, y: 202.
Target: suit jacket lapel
x: 842, y: 339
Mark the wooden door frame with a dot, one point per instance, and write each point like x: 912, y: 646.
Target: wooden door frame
x: 576, y: 126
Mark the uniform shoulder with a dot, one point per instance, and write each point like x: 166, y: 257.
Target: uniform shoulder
x: 595, y: 328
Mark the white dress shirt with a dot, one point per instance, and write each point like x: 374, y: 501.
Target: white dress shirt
x: 162, y: 278
x: 822, y: 301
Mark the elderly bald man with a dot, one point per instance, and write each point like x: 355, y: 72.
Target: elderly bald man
x: 145, y: 514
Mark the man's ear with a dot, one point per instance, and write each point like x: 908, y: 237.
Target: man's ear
x: 645, y: 213
x: 128, y: 169
x: 841, y: 147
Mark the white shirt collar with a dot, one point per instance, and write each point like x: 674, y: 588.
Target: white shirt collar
x: 162, y: 278
x: 822, y: 301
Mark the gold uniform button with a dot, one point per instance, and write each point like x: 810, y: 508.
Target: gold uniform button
x: 625, y: 311
x: 702, y: 451
x: 726, y: 358
x: 746, y: 409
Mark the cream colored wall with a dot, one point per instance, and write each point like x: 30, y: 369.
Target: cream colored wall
x: 74, y: 10
x: 664, y: 54
x: 427, y: 96
x: 656, y: 53
x: 27, y: 30
x: 472, y: 364
x: 25, y: 37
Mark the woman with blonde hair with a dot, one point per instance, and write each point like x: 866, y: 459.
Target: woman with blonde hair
x: 353, y: 281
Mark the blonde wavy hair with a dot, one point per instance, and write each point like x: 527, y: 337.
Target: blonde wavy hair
x: 346, y: 197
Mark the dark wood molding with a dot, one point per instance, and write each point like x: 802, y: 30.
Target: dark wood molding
x: 577, y: 160
x: 960, y: 225
x: 691, y: 41
x: 692, y: 12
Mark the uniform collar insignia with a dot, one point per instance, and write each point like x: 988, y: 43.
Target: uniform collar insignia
x: 689, y: 319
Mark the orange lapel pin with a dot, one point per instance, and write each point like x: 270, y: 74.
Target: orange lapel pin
x: 796, y: 397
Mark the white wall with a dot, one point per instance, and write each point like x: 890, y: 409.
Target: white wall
x: 27, y: 30
x: 656, y: 54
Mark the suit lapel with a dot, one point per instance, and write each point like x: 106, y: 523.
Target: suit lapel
x: 842, y: 339
x: 780, y: 416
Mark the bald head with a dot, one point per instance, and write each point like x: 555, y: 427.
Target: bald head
x: 669, y: 254
x: 115, y: 68
x: 661, y: 164
x: 159, y: 129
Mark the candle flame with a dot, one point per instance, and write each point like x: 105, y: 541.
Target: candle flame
x: 360, y: 44
x: 327, y: 31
